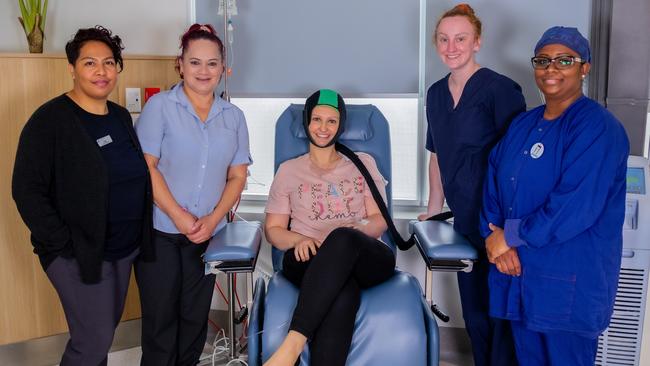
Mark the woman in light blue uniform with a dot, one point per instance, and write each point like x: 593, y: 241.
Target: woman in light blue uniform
x: 196, y: 147
x: 554, y: 200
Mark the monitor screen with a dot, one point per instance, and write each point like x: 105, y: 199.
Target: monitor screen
x: 635, y: 181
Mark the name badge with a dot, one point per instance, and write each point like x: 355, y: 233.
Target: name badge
x: 103, y: 141
x: 537, y: 150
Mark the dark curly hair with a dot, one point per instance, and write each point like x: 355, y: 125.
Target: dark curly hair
x: 100, y: 34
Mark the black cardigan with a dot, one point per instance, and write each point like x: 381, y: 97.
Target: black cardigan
x: 60, y: 185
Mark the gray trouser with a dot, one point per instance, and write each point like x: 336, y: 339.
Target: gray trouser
x: 92, y: 311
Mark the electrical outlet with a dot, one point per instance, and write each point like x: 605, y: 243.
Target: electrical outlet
x: 133, y: 99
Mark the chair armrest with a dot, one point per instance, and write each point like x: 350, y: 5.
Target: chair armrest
x: 442, y: 248
x: 234, y: 248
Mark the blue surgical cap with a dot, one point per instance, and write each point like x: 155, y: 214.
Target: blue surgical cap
x: 567, y: 36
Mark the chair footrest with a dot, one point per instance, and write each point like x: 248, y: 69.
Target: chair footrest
x: 234, y: 248
x: 442, y: 248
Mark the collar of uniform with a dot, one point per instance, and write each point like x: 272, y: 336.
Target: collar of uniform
x: 178, y: 95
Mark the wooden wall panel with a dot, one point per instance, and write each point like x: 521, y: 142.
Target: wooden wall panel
x: 29, y: 306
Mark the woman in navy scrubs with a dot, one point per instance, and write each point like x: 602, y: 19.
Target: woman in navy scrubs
x: 553, y: 211
x: 468, y: 111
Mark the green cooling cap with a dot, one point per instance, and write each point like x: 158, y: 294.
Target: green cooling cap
x: 326, y: 97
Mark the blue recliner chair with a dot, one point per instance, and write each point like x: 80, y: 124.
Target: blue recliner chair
x: 394, y: 324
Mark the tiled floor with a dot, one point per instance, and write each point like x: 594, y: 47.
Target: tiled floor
x: 454, y: 349
x: 131, y: 357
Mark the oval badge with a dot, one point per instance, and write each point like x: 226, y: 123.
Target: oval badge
x: 537, y: 150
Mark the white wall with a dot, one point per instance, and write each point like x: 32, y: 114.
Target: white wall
x: 145, y: 26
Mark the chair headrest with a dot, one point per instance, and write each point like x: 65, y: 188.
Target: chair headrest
x: 357, y: 127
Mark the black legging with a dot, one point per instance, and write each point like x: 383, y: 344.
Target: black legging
x: 330, y: 290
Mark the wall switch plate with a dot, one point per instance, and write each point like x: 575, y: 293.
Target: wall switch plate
x: 133, y: 100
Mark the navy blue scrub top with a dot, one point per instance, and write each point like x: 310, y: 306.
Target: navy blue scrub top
x: 462, y: 137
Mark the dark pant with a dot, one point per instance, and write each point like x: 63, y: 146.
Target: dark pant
x: 330, y: 284
x: 175, y: 296
x: 91, y: 310
x: 553, y: 349
x: 491, y: 338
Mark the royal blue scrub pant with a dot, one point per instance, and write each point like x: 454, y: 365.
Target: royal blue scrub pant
x: 553, y: 349
x: 491, y: 338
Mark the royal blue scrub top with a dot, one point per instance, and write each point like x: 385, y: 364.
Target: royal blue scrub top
x: 463, y: 136
x: 558, y: 188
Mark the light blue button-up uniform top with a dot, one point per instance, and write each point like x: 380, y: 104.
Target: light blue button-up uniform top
x: 194, y: 156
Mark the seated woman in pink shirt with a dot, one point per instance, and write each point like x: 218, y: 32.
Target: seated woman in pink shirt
x: 331, y: 247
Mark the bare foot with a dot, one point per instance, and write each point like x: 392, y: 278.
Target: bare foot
x: 289, y: 351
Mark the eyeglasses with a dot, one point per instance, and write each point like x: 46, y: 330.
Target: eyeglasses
x: 561, y: 62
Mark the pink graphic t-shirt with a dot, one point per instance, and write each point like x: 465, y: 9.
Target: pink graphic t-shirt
x: 319, y: 201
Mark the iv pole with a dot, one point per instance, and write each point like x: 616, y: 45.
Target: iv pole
x: 226, y: 95
x: 231, y: 276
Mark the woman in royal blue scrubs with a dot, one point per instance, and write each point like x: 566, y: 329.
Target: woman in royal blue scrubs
x: 555, y: 200
x: 468, y: 111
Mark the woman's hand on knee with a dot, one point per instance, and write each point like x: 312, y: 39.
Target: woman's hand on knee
x: 304, y: 248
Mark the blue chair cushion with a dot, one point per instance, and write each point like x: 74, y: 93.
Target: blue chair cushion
x: 390, y: 326
x: 238, y: 242
x: 438, y: 240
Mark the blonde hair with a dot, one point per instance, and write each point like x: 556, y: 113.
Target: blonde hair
x: 463, y: 10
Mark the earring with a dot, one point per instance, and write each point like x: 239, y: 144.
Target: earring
x: 584, y: 76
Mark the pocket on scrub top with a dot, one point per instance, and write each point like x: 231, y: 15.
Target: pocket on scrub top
x: 548, y: 295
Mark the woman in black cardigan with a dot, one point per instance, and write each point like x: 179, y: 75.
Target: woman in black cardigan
x: 82, y: 187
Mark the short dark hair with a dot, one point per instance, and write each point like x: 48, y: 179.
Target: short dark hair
x: 100, y: 34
